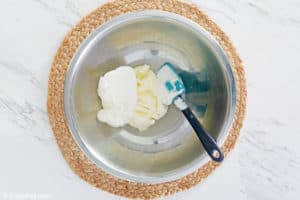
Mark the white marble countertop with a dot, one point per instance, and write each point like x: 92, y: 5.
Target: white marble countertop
x: 266, y: 161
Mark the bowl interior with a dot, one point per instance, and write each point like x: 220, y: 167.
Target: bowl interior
x: 169, y: 149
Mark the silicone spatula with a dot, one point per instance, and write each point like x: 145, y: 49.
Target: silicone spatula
x: 172, y: 90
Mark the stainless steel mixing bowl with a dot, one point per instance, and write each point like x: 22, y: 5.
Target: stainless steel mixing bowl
x: 169, y: 149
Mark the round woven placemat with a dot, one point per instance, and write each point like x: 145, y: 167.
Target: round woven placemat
x: 70, y: 150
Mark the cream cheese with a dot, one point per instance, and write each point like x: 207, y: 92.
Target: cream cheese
x: 118, y: 92
x: 130, y: 96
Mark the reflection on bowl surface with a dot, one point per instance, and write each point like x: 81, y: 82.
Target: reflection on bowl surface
x: 169, y: 149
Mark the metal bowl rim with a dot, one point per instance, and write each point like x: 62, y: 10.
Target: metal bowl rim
x: 71, y: 72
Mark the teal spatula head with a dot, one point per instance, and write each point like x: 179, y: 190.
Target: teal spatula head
x: 196, y: 86
x: 170, y: 83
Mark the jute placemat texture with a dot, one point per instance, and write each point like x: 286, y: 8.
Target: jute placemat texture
x: 70, y: 150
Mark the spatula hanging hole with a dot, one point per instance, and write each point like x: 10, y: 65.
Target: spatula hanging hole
x: 216, y: 154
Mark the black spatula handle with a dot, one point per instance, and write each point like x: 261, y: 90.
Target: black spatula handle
x: 207, y: 141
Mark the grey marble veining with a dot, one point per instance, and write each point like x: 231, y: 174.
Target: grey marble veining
x: 266, y: 160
